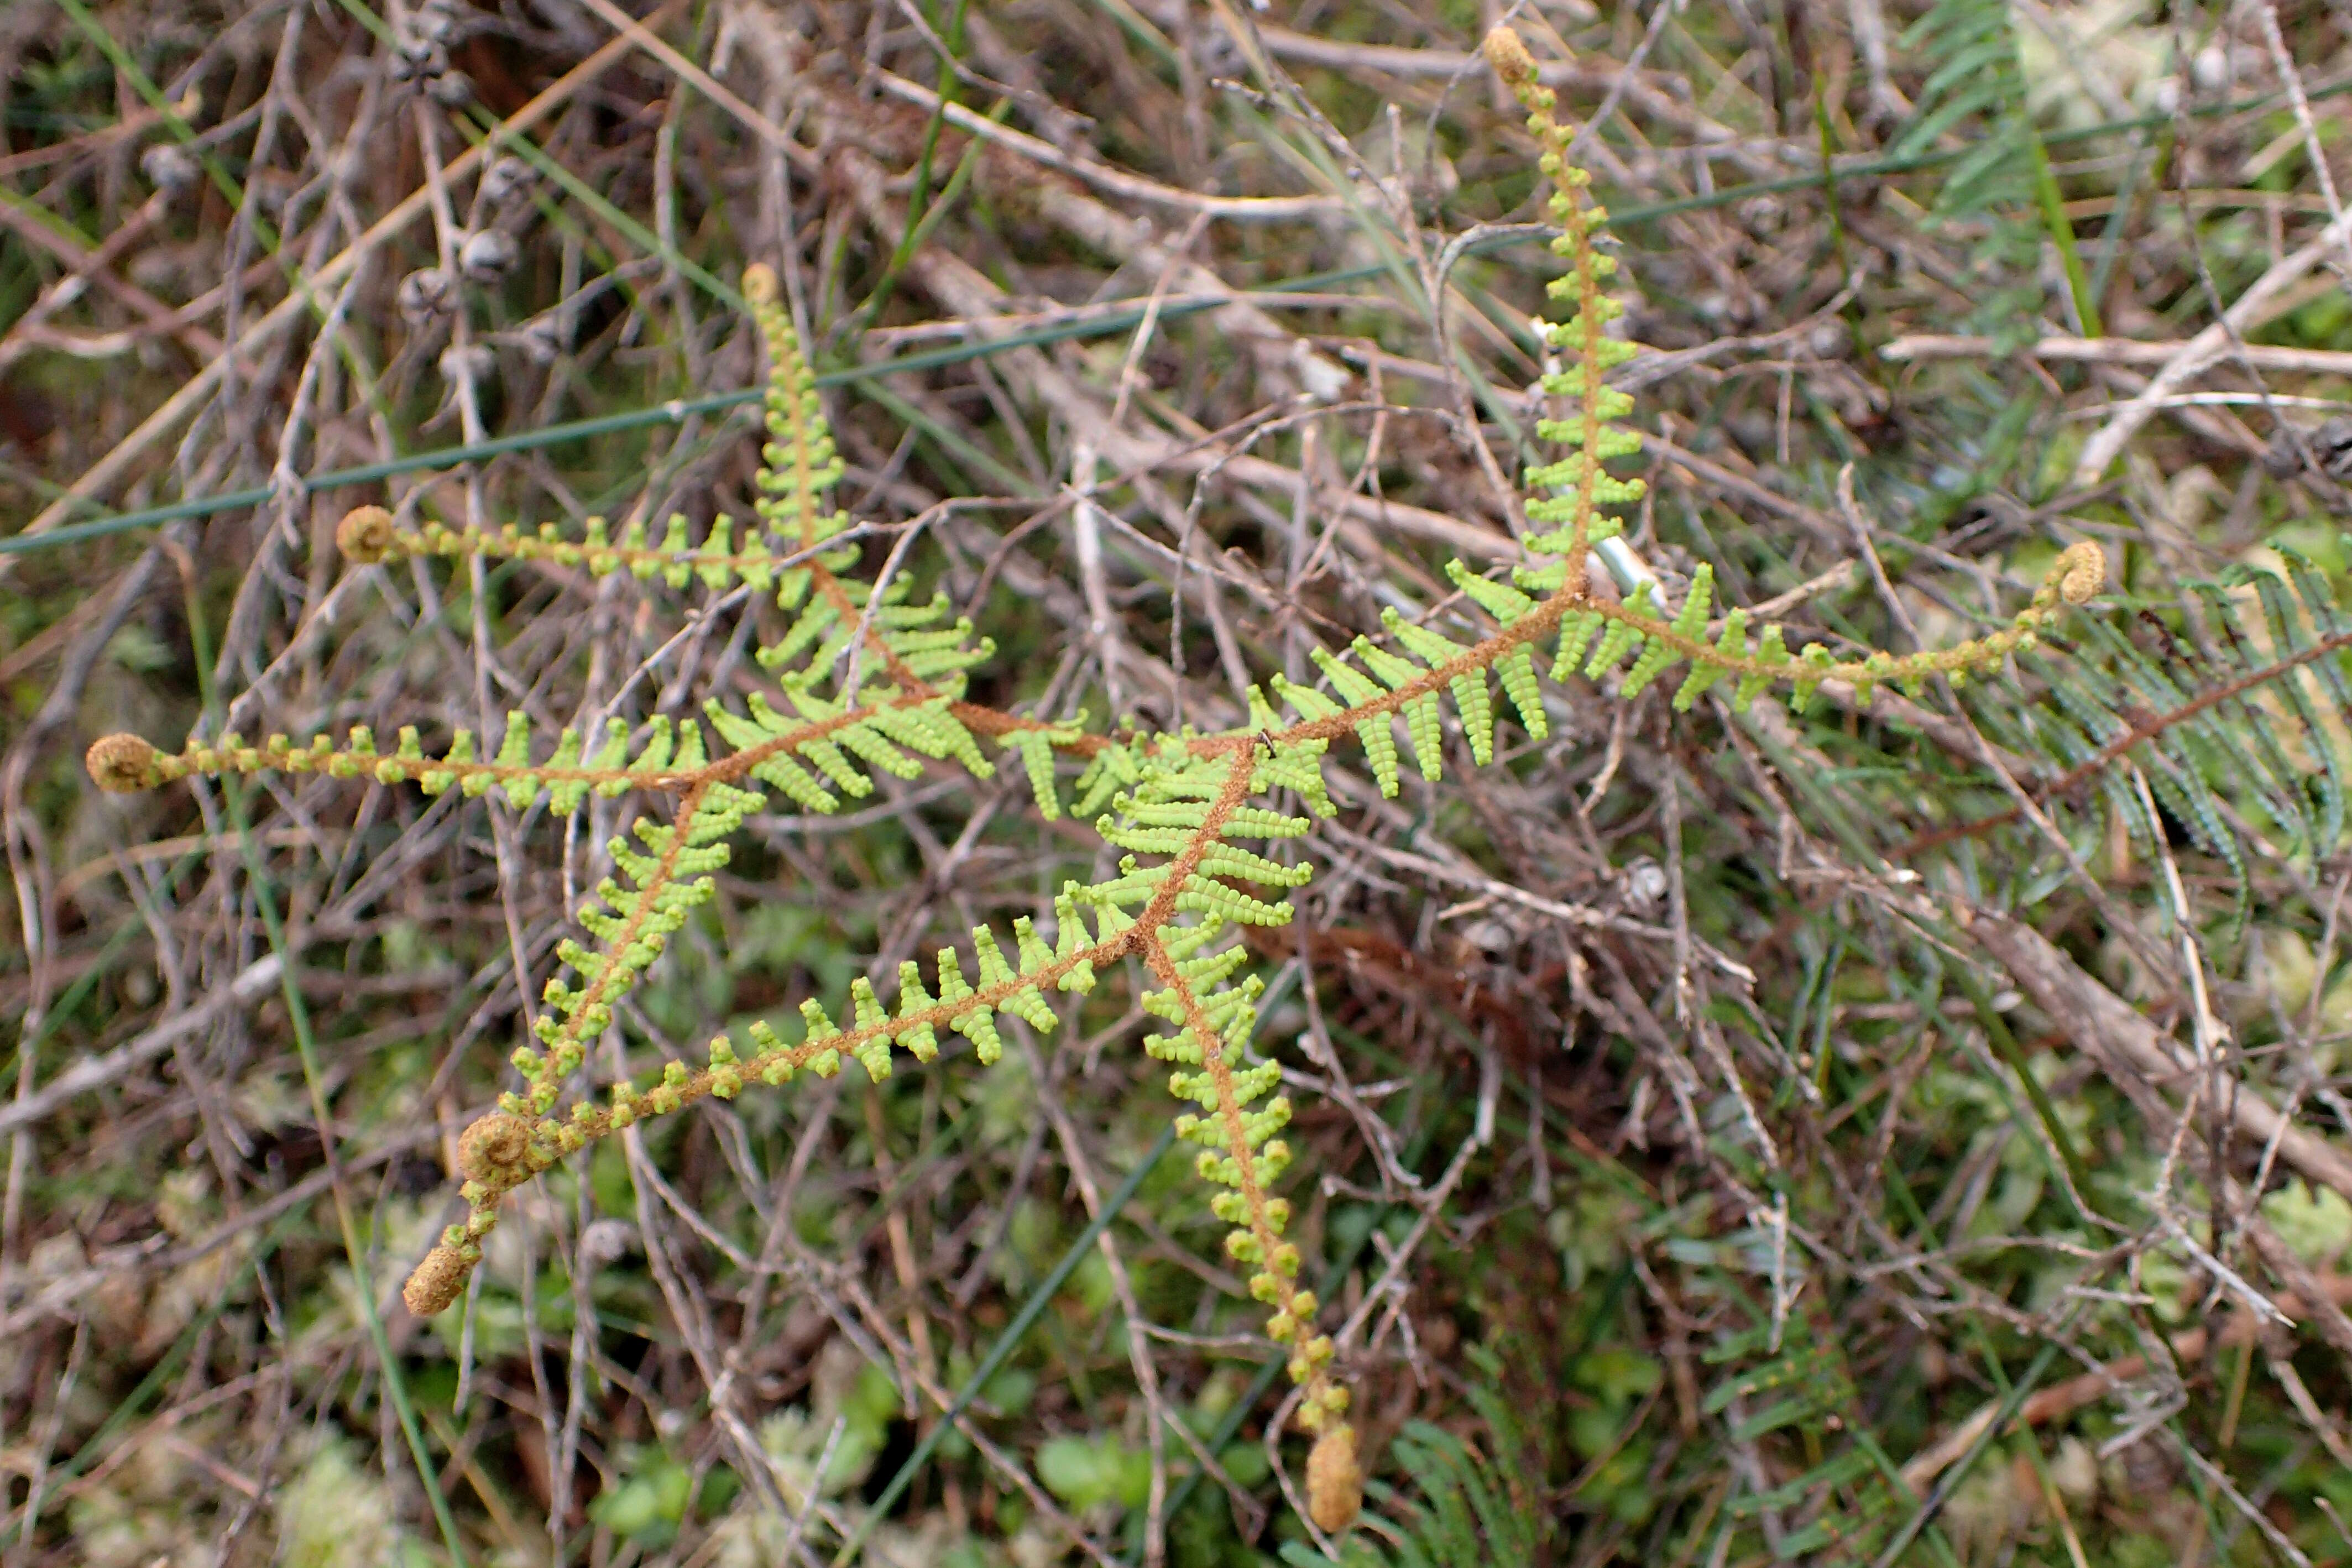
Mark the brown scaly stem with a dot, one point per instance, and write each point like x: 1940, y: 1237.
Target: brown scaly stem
x: 1162, y: 907
x: 994, y: 722
x: 847, y: 609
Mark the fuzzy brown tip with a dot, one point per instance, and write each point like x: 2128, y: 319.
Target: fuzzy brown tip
x: 493, y: 1150
x: 1507, y: 54
x: 121, y: 764
x: 436, y: 1282
x: 2082, y: 569
x: 1335, y: 1482
x: 759, y: 283
x: 366, y: 536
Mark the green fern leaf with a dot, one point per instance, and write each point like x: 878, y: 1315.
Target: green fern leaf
x: 1471, y: 701
x: 1375, y: 733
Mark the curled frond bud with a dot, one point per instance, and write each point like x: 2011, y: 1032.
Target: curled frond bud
x: 494, y: 1150
x: 436, y: 1282
x: 121, y: 764
x: 366, y: 536
x: 1508, y: 57
x: 2081, y: 570
x: 759, y: 283
x: 1335, y: 1482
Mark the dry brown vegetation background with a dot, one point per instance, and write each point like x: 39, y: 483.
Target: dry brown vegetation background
x: 1914, y: 1129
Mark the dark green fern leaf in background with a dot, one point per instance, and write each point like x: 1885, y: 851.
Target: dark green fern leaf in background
x: 2234, y: 707
x: 1799, y: 1398
x: 1976, y: 79
x: 1975, y: 97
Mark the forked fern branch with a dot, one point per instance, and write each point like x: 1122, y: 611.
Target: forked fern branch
x: 1180, y: 805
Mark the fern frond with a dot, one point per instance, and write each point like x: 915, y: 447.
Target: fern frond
x: 635, y: 919
x: 1241, y: 1151
x: 1035, y: 747
x: 840, y: 743
x: 799, y: 464
x: 871, y: 679
x: 801, y: 467
x: 1473, y: 704
x: 1112, y: 768
x: 632, y: 917
x: 1976, y: 77
x: 669, y: 761
x: 368, y: 536
x: 1577, y: 486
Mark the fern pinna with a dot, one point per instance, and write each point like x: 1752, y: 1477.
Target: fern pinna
x: 870, y: 679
